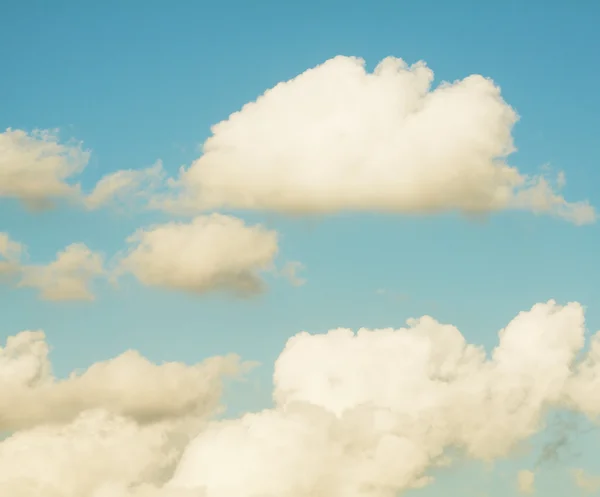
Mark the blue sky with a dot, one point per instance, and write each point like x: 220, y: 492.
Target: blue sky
x: 147, y: 80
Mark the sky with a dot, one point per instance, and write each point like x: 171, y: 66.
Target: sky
x: 201, y: 204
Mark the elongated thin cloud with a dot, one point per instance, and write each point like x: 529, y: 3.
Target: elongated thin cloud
x: 69, y: 277
x: 214, y: 252
x: 339, y: 138
x: 362, y: 413
x: 128, y: 385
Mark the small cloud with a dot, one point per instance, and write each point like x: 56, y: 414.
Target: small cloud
x: 290, y: 271
x: 214, y: 252
x: 583, y: 481
x: 526, y: 482
x: 67, y: 278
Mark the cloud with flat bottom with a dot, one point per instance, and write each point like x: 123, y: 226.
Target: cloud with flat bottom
x: 214, y: 252
x: 338, y: 138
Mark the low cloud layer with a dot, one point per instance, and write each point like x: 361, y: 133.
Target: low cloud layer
x: 364, y: 413
x: 339, y: 138
x: 214, y: 252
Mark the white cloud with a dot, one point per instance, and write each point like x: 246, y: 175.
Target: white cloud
x: 214, y: 252
x: 526, y: 482
x: 10, y: 254
x: 68, y: 277
x: 79, y: 459
x: 128, y: 385
x: 586, y: 482
x: 290, y: 271
x: 36, y: 168
x: 358, y: 414
x: 368, y: 413
x: 125, y: 185
x: 338, y: 138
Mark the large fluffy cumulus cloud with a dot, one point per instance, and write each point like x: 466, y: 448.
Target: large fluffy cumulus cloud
x: 367, y: 413
x: 339, y: 138
x: 359, y: 414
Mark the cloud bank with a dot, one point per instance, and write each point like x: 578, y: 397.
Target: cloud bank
x: 339, y: 138
x: 363, y: 413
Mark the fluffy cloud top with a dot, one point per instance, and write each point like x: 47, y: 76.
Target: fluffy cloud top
x: 338, y: 138
x: 128, y: 385
x: 68, y: 277
x: 214, y: 252
x: 356, y: 414
x: 367, y: 413
x: 36, y: 168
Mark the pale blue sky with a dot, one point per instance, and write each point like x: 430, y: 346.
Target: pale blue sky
x: 138, y: 81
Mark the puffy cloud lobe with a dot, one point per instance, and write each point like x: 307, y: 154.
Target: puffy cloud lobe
x: 68, y: 277
x: 583, y: 387
x: 338, y: 138
x: 76, y: 460
x: 128, y: 385
x: 367, y: 413
x: 36, y: 168
x: 214, y: 252
x: 359, y: 414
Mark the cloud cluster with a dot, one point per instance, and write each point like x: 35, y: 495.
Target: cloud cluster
x: 364, y: 413
x: 337, y: 138
x: 209, y: 253
x: 334, y: 138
